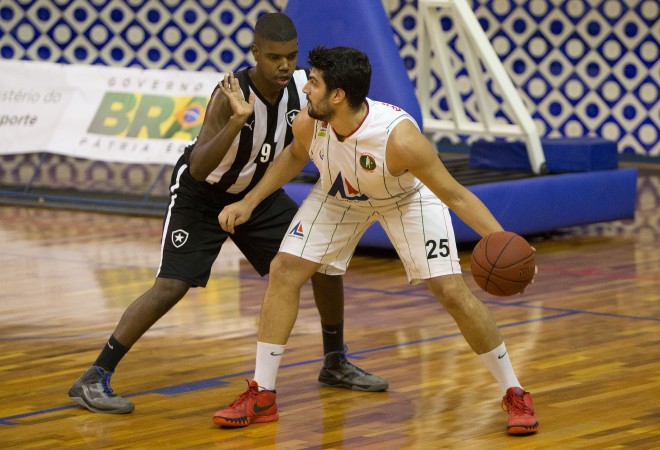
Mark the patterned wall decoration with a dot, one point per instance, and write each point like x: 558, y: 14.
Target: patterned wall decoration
x: 583, y: 67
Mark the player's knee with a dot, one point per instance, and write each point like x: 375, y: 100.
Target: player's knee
x: 280, y: 267
x: 451, y: 291
x: 291, y: 270
x: 169, y: 291
x: 327, y: 282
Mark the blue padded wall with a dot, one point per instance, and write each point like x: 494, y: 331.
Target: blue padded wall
x: 534, y: 205
x: 581, y: 154
x: 365, y: 26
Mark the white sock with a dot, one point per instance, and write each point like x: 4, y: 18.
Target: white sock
x: 498, y: 363
x: 268, y: 363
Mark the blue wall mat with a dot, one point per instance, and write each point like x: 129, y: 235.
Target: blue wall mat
x: 578, y: 154
x: 362, y: 25
x: 543, y: 204
x: 534, y: 205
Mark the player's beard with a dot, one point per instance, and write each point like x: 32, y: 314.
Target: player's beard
x: 323, y: 111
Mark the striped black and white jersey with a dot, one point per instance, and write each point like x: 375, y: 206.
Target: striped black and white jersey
x: 263, y: 137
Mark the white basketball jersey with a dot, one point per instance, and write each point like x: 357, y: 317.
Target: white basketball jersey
x: 354, y: 168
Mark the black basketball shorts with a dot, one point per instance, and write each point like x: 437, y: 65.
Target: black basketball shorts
x: 192, y: 237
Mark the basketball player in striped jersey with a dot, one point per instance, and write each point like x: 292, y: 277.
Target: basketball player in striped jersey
x: 375, y: 165
x: 247, y: 124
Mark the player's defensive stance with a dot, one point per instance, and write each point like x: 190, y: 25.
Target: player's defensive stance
x: 375, y: 165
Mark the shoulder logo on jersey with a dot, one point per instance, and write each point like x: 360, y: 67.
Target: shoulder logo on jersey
x: 395, y: 108
x: 322, y: 130
x: 291, y: 115
x: 297, y: 231
x: 345, y: 190
x: 367, y: 162
x: 179, y: 237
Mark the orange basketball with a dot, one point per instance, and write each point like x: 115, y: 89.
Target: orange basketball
x: 503, y: 263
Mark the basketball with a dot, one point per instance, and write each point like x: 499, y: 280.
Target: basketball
x: 503, y: 263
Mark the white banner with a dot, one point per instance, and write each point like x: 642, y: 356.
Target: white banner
x: 101, y: 113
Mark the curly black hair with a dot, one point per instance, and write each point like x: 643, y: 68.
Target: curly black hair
x: 345, y: 68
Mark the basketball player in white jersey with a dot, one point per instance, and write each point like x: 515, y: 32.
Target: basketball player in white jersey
x: 375, y: 165
x: 247, y: 123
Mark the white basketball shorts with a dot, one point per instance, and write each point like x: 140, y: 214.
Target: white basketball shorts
x: 326, y: 230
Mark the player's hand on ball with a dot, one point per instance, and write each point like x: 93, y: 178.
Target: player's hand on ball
x: 536, y: 271
x: 503, y: 263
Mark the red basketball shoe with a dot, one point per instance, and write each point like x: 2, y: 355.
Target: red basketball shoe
x: 518, y: 403
x: 252, y: 406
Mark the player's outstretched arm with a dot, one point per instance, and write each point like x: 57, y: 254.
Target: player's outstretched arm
x: 286, y: 166
x: 226, y: 114
x: 409, y: 150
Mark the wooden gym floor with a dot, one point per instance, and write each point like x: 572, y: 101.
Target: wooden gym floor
x: 584, y: 339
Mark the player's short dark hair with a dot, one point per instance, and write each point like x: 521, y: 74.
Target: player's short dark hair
x: 345, y: 68
x: 275, y: 27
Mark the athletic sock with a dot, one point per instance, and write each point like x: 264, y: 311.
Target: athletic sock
x: 111, y: 354
x: 498, y: 363
x: 333, y: 337
x: 268, y: 363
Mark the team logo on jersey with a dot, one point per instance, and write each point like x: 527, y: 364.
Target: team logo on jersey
x: 179, y: 237
x: 367, y: 162
x: 345, y: 190
x: 297, y: 231
x: 395, y: 108
x: 291, y: 115
x: 323, y: 131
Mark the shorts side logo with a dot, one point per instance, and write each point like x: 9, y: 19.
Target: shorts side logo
x: 297, y: 231
x: 179, y: 237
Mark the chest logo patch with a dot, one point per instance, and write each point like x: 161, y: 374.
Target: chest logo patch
x: 343, y: 189
x: 367, y: 162
x: 290, y: 115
